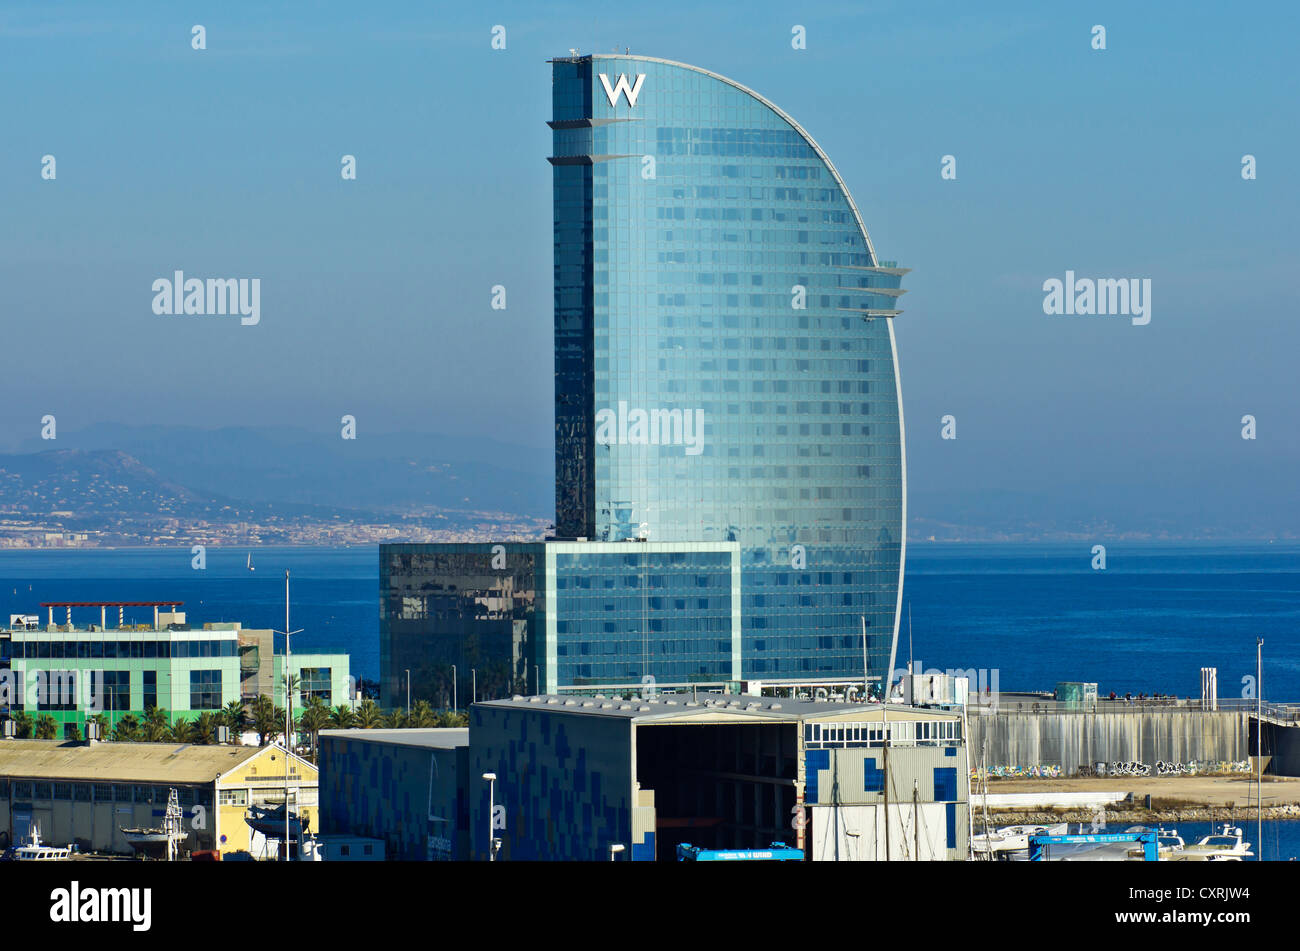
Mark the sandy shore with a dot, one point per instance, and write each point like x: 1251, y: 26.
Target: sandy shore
x: 1173, y: 798
x: 1201, y: 790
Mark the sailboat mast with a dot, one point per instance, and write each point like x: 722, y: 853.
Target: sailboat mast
x: 1259, y: 744
x: 884, y: 722
x: 916, y: 818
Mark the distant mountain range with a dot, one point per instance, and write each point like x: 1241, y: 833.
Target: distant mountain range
x: 110, y: 477
x: 392, y: 473
x: 118, y: 484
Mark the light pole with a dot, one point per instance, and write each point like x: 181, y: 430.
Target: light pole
x: 408, y: 695
x: 614, y: 849
x: 288, y: 708
x: 455, y: 705
x: 492, y: 784
x: 473, y: 682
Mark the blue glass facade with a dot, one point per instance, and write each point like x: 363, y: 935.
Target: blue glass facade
x: 530, y: 617
x: 725, y: 366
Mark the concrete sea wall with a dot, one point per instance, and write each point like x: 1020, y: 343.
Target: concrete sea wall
x: 1072, y: 740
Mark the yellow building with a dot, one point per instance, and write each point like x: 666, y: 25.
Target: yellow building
x: 259, y: 782
x: 85, y: 794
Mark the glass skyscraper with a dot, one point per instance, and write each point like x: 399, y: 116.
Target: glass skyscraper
x: 725, y: 367
x: 730, y: 484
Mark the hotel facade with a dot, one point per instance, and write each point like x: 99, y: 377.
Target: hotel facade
x: 725, y: 375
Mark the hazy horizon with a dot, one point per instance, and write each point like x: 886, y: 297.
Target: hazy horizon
x: 375, y: 292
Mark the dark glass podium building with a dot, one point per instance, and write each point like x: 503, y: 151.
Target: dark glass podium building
x: 730, y: 474
x: 725, y: 367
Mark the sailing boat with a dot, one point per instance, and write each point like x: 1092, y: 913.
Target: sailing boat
x: 250, y: 562
x: 165, y: 840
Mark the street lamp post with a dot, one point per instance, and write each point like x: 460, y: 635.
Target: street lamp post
x: 492, y: 783
x: 473, y: 682
x: 614, y: 849
x: 455, y: 705
x: 288, y: 707
x: 408, y: 694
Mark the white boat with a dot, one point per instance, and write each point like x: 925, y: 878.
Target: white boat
x: 1223, y: 846
x: 163, y: 842
x: 33, y: 851
x: 1226, y: 845
x: 1169, y: 844
x: 1006, y: 843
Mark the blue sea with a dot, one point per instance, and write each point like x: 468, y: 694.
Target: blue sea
x: 1037, y: 614
x: 1148, y: 622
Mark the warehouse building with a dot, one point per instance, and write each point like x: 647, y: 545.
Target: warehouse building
x: 84, y: 794
x: 406, y: 788
x: 577, y: 778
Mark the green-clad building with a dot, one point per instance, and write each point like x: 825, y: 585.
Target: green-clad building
x: 75, y: 673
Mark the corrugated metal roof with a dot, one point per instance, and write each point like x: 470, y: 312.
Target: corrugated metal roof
x: 120, y: 762
x: 442, y: 738
x: 715, y: 707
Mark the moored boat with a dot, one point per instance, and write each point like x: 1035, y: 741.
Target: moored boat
x: 33, y: 851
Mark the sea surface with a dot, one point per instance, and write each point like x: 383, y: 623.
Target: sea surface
x: 1034, y: 614
x: 1148, y: 622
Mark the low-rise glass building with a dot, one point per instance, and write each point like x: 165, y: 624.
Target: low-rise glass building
x: 555, y: 615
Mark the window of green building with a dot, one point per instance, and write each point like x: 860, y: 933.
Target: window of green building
x: 315, y: 682
x: 205, y: 689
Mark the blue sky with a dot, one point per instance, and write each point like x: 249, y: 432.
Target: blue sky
x: 375, y: 301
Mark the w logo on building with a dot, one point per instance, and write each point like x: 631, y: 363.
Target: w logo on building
x: 622, y: 88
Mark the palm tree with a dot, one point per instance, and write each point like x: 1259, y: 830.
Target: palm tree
x: 155, y: 728
x: 46, y: 728
x: 74, y: 732
x: 23, y: 725
x: 452, y: 719
x: 290, y: 685
x: 369, y: 715
x: 182, y: 731
x: 315, y: 717
x: 397, y: 719
x: 422, y: 715
x: 235, y: 717
x: 127, y: 729
x: 205, y: 725
x: 268, y: 719
x: 343, y: 717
